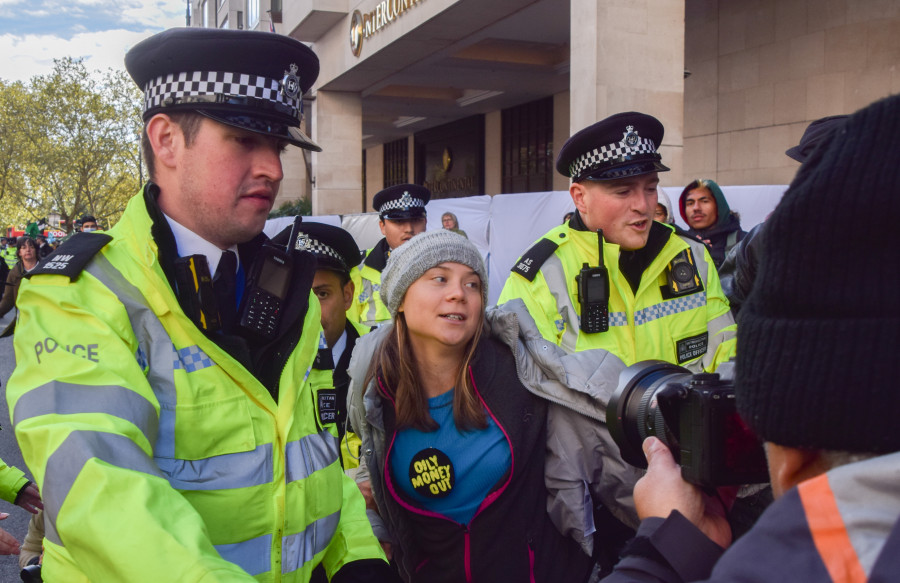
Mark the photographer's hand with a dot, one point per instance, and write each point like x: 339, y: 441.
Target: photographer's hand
x: 663, y: 490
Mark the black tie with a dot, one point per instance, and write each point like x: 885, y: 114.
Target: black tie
x: 224, y: 284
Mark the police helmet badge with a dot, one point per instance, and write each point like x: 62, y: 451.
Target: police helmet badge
x: 290, y: 85
x: 406, y: 200
x: 630, y: 137
x: 303, y: 242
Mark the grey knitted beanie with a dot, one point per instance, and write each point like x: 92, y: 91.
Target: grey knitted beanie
x: 411, y: 260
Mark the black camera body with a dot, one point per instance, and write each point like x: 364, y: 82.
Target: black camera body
x: 694, y: 415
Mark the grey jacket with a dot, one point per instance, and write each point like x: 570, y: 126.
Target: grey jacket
x: 583, y: 464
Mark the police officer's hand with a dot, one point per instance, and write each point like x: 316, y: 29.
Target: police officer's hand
x: 8, y: 543
x: 29, y: 498
x: 663, y: 490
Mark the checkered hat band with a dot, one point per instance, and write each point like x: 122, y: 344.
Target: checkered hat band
x: 168, y: 89
x: 319, y: 248
x: 604, y: 154
x: 401, y: 204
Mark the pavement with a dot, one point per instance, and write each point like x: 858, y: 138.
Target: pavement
x: 17, y: 523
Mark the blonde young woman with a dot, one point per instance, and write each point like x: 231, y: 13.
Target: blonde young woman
x: 455, y: 445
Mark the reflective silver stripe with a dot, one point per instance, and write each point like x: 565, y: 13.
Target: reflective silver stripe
x: 369, y: 292
x: 253, y: 556
x: 298, y: 549
x: 670, y: 308
x: 154, y: 343
x: 65, y: 464
x: 222, y: 472
x: 555, y: 276
x: 57, y: 397
x: 310, y: 454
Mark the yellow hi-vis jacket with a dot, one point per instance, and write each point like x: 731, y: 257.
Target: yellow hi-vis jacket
x: 12, y: 479
x: 159, y: 456
x: 10, y: 256
x: 368, y: 308
x: 695, y: 330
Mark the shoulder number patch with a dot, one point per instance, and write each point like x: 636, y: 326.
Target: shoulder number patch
x: 72, y: 256
x: 532, y: 260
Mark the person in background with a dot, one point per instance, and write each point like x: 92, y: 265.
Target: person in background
x: 10, y: 253
x: 663, y: 212
x: 451, y: 223
x: 705, y: 210
x: 89, y: 224
x: 401, y: 216
x: 336, y: 252
x: 44, y: 248
x: 465, y: 416
x: 26, y: 251
x: 819, y: 302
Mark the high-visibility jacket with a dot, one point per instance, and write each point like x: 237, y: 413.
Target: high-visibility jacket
x: 10, y: 256
x: 159, y: 456
x: 12, y: 479
x: 368, y: 308
x: 694, y: 330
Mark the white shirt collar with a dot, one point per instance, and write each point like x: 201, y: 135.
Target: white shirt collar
x: 338, y: 349
x: 190, y: 243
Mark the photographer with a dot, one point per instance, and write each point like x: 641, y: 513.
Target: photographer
x: 815, y: 378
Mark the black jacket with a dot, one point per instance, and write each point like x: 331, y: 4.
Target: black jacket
x: 511, y: 538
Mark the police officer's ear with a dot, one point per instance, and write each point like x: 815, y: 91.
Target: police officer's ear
x: 381, y: 226
x: 348, y: 290
x: 166, y: 139
x: 578, y: 192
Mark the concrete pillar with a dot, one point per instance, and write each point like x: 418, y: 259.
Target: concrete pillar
x: 629, y: 56
x: 493, y: 152
x: 374, y: 174
x: 337, y: 170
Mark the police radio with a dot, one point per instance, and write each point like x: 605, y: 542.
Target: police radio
x: 267, y: 288
x: 593, y: 294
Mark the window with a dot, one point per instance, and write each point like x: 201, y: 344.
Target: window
x: 224, y: 23
x: 396, y: 162
x: 252, y: 13
x: 527, y: 138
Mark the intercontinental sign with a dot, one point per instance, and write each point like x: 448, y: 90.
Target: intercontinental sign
x: 364, y: 25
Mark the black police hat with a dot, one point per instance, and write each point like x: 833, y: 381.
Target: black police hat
x: 247, y: 79
x: 402, y: 201
x: 622, y: 145
x: 815, y: 133
x: 333, y: 246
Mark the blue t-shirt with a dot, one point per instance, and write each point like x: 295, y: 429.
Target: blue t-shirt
x: 448, y: 471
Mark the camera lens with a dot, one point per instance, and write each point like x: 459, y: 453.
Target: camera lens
x: 632, y: 414
x: 682, y: 273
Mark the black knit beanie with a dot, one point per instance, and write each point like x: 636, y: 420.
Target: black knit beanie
x: 818, y: 343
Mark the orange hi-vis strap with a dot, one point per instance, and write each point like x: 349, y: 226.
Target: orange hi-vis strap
x: 829, y: 532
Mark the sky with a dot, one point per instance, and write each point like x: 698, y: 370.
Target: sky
x: 34, y: 32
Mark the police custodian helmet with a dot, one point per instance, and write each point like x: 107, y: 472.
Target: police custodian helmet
x: 620, y: 146
x: 246, y: 79
x: 401, y: 202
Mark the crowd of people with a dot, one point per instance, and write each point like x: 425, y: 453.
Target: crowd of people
x: 232, y: 408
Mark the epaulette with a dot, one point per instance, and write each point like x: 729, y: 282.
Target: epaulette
x: 71, y: 257
x: 531, y: 261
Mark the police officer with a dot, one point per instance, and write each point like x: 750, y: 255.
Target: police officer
x: 336, y: 252
x: 401, y: 214
x: 168, y: 445
x: 651, y: 294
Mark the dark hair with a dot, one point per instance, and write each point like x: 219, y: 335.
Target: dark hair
x: 188, y: 121
x: 24, y: 240
x: 88, y: 219
x: 393, y: 369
